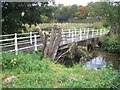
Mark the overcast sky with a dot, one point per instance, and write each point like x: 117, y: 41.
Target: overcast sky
x: 78, y: 2
x: 71, y: 2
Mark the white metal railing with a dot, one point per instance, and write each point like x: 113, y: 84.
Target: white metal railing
x: 32, y: 39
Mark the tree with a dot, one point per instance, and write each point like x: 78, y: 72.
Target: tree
x: 82, y: 13
x: 16, y: 14
x: 72, y: 11
x: 62, y: 13
x: 12, y: 16
x: 50, y: 48
x: 113, y: 17
x: 109, y: 11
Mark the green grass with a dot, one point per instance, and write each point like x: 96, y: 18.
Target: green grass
x: 32, y: 72
x: 67, y: 26
x: 64, y: 26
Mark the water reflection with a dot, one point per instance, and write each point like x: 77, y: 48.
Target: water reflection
x: 104, y: 58
x: 109, y: 58
x: 96, y: 63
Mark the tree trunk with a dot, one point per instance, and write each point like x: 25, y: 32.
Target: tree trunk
x: 43, y: 37
x: 113, y: 30
x: 50, y: 48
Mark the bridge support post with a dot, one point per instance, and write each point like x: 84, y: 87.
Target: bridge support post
x: 16, y: 46
x: 93, y: 42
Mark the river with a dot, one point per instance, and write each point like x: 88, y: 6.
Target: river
x: 109, y: 57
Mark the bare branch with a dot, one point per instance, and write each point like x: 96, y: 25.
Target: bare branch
x: 65, y: 52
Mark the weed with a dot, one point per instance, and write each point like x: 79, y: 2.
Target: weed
x: 32, y: 72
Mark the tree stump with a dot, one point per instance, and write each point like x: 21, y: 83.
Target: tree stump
x: 50, y: 48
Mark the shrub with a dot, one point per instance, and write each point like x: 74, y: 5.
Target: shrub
x: 105, y: 24
x: 111, y: 44
x: 97, y: 25
x: 10, y: 60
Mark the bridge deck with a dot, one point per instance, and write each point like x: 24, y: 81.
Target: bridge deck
x: 63, y: 43
x: 67, y: 38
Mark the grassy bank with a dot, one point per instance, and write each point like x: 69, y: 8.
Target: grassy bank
x: 61, y: 25
x: 66, y: 25
x: 32, y: 72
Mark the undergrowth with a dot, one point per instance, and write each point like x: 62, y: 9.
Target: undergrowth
x: 33, y: 72
x: 111, y: 43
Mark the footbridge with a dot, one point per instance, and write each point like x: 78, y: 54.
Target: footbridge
x: 31, y: 41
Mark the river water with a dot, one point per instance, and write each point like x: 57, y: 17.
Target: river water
x: 109, y: 58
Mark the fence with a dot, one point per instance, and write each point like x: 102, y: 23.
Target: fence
x: 23, y: 41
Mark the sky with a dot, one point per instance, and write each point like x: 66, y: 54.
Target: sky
x: 78, y: 2
x: 71, y: 2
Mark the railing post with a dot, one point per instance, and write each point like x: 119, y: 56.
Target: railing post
x: 63, y: 37
x: 100, y: 32
x: 88, y: 33
x: 72, y: 36
x: 16, y: 46
x: 84, y: 31
x: 69, y: 33
x: 30, y: 37
x: 35, y: 42
x: 97, y: 32
x: 92, y: 32
x: 75, y: 33
x: 104, y: 31
x: 43, y: 31
x: 80, y: 34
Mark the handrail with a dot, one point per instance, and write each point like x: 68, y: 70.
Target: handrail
x: 71, y: 35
